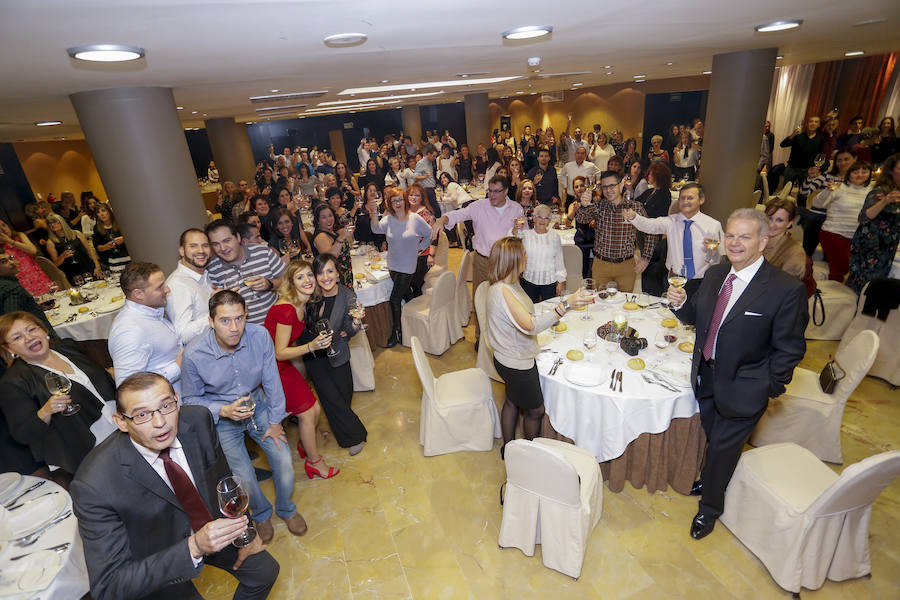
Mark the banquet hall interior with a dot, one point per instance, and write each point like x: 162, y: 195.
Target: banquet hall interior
x: 213, y: 89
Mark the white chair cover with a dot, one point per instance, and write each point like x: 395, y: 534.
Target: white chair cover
x: 756, y: 196
x: 441, y: 262
x: 433, y: 317
x: 801, y: 520
x: 765, y: 188
x: 786, y: 190
x: 362, y: 363
x: 840, y: 306
x: 463, y: 295
x: 458, y: 410
x: 572, y: 261
x: 887, y: 361
x: 554, y: 497
x: 820, y: 270
x: 807, y: 416
x: 485, y: 360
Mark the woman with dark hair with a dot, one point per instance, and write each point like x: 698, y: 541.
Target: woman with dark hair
x: 59, y: 428
x: 874, y: 244
x: 465, y: 166
x: 480, y: 164
x: 407, y: 234
x: 492, y: 162
x: 89, y: 206
x: 453, y: 194
x: 70, y: 251
x: 289, y: 238
x: 886, y: 143
x: 346, y: 182
x: 363, y: 231
x: 812, y: 218
x: 68, y: 210
x: 635, y: 183
x: 843, y: 204
x: 306, y: 183
x: 672, y: 138
x: 629, y: 153
x: 656, y: 202
x: 331, y: 375
x: 326, y: 241
x: 527, y: 197
x: 584, y: 226
x: 262, y: 208
x: 419, y: 204
x: 371, y: 174
x: 445, y: 162
x: 18, y: 246
x: 108, y: 240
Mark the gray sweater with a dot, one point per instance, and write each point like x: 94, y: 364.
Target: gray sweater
x: 405, y: 240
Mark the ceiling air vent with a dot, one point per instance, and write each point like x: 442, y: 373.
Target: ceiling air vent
x: 552, y: 97
x: 287, y: 97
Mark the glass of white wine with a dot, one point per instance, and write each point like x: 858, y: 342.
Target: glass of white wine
x: 59, y: 385
x: 248, y: 403
x: 711, y: 243
x: 357, y: 312
x: 677, y: 276
x: 590, y: 340
x: 588, y: 291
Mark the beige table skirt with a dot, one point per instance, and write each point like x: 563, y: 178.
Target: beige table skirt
x: 378, y: 319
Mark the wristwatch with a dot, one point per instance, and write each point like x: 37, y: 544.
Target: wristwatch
x: 565, y: 305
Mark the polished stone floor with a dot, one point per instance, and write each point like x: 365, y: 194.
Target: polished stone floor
x: 395, y: 524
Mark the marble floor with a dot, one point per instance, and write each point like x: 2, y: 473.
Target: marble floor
x: 394, y: 524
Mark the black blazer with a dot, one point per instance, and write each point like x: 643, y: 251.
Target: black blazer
x: 65, y: 440
x: 340, y: 320
x: 755, y: 353
x: 134, y: 529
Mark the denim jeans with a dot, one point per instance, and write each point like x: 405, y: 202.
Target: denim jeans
x: 231, y: 436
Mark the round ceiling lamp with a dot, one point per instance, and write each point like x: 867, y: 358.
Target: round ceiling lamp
x: 106, y: 52
x: 527, y: 32
x: 779, y: 25
x: 343, y: 40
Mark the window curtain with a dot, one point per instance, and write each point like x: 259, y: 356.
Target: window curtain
x: 787, y: 105
x: 891, y: 103
x: 824, y: 83
x: 864, y: 83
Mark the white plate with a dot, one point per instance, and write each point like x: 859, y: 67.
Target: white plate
x: 108, y: 307
x: 585, y: 375
x: 9, y: 483
x: 57, y: 320
x: 619, y: 298
x: 34, y: 515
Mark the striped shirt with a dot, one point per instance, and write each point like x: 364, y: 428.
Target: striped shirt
x: 259, y: 261
x: 843, y: 206
x: 545, y: 257
x: 615, y: 237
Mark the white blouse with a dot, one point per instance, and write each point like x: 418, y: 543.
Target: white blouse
x: 843, y: 206
x: 600, y: 156
x: 545, y: 263
x: 102, y: 427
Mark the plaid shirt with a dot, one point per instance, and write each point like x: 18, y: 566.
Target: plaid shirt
x: 615, y: 238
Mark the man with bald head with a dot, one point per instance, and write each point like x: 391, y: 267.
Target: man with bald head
x: 581, y: 166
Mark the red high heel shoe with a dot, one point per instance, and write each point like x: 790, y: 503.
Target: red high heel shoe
x: 312, y: 471
x: 300, y: 450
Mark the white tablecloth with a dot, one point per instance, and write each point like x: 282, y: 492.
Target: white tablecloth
x: 90, y: 325
x: 72, y: 581
x: 597, y: 418
x: 371, y: 292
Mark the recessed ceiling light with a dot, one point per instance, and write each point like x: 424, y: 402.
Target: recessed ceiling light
x: 638, y: 76
x: 48, y: 123
x: 577, y: 84
x: 527, y: 32
x: 426, y: 85
x: 706, y: 73
x: 385, y: 81
x: 274, y: 91
x: 248, y: 123
x: 194, y: 112
x: 520, y: 92
x: 778, y: 25
x: 854, y: 53
x: 106, y: 52
x: 459, y: 100
x: 779, y: 57
x: 410, y: 89
x: 342, y: 40
x: 607, y: 66
x: 463, y: 75
x: 504, y: 97
x: 533, y: 93
x: 609, y: 72
x: 59, y: 137
x: 204, y: 114
x: 179, y: 108
x: 669, y: 64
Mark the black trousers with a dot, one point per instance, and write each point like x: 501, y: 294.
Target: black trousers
x: 725, y: 437
x: 402, y: 283
x: 334, y: 386
x: 585, y: 261
x: 418, y: 278
x: 536, y: 292
x: 256, y: 575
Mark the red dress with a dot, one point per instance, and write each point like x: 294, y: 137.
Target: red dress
x: 298, y: 397
x: 30, y: 274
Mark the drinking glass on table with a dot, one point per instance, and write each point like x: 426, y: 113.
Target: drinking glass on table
x: 59, y: 385
x: 233, y: 502
x: 589, y: 340
x: 323, y: 327
x: 588, y: 291
x: 612, y: 288
x: 662, y: 341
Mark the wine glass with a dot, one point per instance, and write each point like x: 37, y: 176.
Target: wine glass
x: 248, y: 402
x: 819, y: 161
x: 589, y: 340
x: 612, y: 288
x: 677, y: 276
x: 233, y: 502
x: 662, y: 341
x: 712, y: 246
x: 287, y: 247
x: 59, y: 385
x: 589, y: 289
x: 323, y: 327
x: 357, y: 313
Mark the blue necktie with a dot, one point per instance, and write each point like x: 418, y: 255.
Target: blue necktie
x: 688, y: 244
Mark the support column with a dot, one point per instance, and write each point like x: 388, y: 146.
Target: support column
x: 478, y: 120
x: 231, y: 150
x: 142, y: 156
x: 736, y: 111
x: 412, y: 123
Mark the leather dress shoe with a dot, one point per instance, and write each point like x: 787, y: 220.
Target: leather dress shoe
x: 702, y: 526
x: 265, y: 530
x: 296, y: 524
x: 697, y: 488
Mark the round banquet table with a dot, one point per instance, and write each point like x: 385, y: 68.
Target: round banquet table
x: 93, y: 324
x: 71, y: 581
x: 645, y: 434
x: 373, y: 289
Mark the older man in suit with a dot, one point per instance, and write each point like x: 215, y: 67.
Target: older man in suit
x: 750, y: 319
x: 145, y: 500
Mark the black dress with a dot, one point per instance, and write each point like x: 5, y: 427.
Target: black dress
x: 115, y: 258
x: 79, y: 263
x: 653, y: 280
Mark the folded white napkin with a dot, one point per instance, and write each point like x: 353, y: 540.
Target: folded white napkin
x: 20, y: 578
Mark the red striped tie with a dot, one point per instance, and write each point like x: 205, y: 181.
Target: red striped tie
x: 186, y: 492
x: 718, y: 313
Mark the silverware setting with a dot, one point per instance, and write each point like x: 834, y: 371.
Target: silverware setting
x: 58, y: 548
x: 612, y: 379
x: 662, y: 382
x: 619, y: 379
x: 21, y: 504
x: 33, y: 537
x: 556, y: 365
x: 30, y: 488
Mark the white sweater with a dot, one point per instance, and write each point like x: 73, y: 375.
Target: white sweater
x: 843, y: 206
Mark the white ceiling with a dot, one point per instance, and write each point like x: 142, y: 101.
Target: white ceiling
x: 216, y: 54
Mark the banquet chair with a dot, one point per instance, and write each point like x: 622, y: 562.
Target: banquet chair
x: 485, y: 359
x: 807, y: 416
x: 804, y: 522
x: 756, y: 197
x: 785, y: 191
x: 53, y: 272
x: 362, y: 363
x: 887, y: 361
x: 433, y: 317
x: 572, y: 261
x: 463, y: 295
x: 441, y: 261
x: 458, y: 410
x: 766, y: 196
x: 554, y: 497
x: 840, y: 306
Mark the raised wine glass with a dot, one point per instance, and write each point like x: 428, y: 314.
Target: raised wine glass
x: 323, y: 327
x: 357, y: 313
x: 677, y: 276
x: 820, y: 161
x: 711, y: 243
x: 233, y: 502
x: 588, y: 289
x: 59, y: 385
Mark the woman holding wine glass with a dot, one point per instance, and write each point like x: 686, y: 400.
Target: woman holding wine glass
x: 57, y: 401
x: 365, y: 216
x: 70, y: 251
x: 337, y: 244
x: 419, y: 204
x: 289, y: 238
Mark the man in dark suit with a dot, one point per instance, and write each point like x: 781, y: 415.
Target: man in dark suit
x: 145, y: 497
x: 750, y: 319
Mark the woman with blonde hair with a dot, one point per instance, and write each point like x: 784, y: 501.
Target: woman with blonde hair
x: 512, y: 328
x: 70, y: 251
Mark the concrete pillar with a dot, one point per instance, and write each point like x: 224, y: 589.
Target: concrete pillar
x: 231, y: 150
x: 142, y: 156
x: 736, y: 111
x: 478, y: 120
x: 412, y: 122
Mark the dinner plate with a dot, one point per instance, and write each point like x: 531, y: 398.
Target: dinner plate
x: 9, y: 483
x: 584, y: 375
x: 56, y: 320
x: 108, y: 307
x: 33, y: 515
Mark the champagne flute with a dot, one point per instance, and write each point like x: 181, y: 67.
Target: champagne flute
x: 59, y: 385
x: 323, y: 327
x: 357, y: 313
x: 589, y: 290
x: 233, y: 502
x: 819, y: 161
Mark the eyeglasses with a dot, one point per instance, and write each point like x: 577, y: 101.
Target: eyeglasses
x: 145, y: 416
x: 609, y: 187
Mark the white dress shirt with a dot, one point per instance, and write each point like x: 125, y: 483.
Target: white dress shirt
x: 673, y: 227
x: 143, y: 339
x: 571, y: 170
x: 740, y: 283
x: 187, y: 305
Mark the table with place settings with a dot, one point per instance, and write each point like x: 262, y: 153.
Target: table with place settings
x: 649, y: 433
x: 53, y: 565
x: 91, y: 320
x: 372, y: 284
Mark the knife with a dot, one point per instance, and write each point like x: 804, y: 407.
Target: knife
x: 663, y: 382
x: 556, y: 366
x: 57, y: 548
x: 620, y: 382
x: 30, y: 488
x: 612, y: 380
x: 20, y: 505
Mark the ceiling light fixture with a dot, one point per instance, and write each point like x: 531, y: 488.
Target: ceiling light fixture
x: 274, y: 91
x: 47, y: 123
x: 289, y: 96
x: 609, y: 72
x: 179, y: 108
x: 854, y: 53
x: 385, y: 81
x: 527, y: 32
x: 779, y: 25
x: 669, y: 64
x: 343, y: 40
x: 425, y: 85
x: 607, y: 66
x: 520, y: 92
x: 779, y: 57
x: 378, y: 98
x: 577, y: 84
x: 194, y: 112
x: 706, y: 73
x: 638, y: 76
x: 106, y: 52
x: 285, y: 107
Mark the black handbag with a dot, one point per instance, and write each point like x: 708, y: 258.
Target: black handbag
x: 829, y: 377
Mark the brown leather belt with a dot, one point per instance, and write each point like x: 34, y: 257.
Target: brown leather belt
x: 615, y: 260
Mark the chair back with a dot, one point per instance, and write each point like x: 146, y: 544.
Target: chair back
x: 765, y: 188
x: 572, y: 260
x: 53, y: 272
x: 444, y: 290
x: 426, y: 375
x: 858, y: 485
x: 855, y: 359
x: 464, y: 272
x: 442, y: 254
x: 481, y: 309
x: 757, y: 195
x: 786, y: 190
x: 462, y: 286
x: 543, y: 471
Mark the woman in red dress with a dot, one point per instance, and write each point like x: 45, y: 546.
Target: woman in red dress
x: 30, y: 275
x: 285, y: 324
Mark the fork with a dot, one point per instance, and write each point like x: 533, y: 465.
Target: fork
x: 30, y: 539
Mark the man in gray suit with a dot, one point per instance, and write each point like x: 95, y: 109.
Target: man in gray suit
x: 145, y: 500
